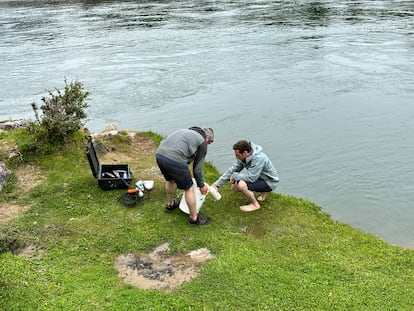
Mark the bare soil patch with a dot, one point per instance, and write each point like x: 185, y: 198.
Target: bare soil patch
x: 28, y: 176
x: 31, y: 251
x: 9, y: 211
x: 142, y: 146
x: 158, y: 271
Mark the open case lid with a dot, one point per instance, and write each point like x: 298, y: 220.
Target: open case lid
x: 92, y: 158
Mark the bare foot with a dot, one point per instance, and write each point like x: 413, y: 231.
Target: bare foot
x: 262, y: 196
x: 250, y: 208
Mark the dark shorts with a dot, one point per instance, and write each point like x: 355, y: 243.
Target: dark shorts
x: 258, y: 186
x: 175, y: 171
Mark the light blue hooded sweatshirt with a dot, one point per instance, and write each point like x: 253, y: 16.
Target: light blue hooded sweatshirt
x: 257, y: 165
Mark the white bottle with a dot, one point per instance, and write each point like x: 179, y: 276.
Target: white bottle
x: 214, y: 192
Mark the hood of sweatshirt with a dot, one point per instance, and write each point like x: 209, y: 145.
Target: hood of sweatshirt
x: 256, y: 149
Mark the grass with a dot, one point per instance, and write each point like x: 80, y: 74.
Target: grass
x: 289, y: 255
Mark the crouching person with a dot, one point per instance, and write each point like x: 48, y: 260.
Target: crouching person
x: 252, y: 172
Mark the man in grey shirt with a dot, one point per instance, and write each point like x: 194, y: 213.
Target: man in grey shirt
x: 175, y: 153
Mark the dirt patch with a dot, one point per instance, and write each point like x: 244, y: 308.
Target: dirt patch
x: 141, y: 145
x: 28, y: 176
x: 10, y: 211
x: 31, y: 251
x: 158, y: 271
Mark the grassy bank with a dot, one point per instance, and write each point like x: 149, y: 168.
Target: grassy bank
x: 289, y: 255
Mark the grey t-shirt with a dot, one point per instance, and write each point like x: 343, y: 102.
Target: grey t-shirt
x: 186, y: 146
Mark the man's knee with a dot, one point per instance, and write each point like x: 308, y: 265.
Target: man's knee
x: 190, y: 189
x: 239, y: 186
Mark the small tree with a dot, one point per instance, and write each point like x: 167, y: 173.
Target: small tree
x: 62, y: 113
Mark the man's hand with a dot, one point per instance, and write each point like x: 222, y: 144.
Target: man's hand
x: 204, y: 189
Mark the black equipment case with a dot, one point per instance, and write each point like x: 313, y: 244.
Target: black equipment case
x: 110, y: 176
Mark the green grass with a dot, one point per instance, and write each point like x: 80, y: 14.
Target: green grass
x: 289, y: 255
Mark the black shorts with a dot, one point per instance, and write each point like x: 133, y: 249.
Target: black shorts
x: 175, y: 171
x: 258, y: 186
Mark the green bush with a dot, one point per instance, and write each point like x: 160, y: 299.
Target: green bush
x: 63, y: 113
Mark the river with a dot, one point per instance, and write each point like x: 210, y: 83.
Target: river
x: 326, y: 87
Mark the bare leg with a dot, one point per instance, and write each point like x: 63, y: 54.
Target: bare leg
x: 242, y: 187
x: 170, y: 188
x: 191, y: 202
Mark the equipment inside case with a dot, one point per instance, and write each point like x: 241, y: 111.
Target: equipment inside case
x: 110, y: 176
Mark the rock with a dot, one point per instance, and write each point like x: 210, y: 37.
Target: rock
x: 13, y: 124
x: 109, y: 131
x: 4, y: 175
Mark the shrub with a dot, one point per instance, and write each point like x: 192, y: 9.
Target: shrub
x: 63, y: 113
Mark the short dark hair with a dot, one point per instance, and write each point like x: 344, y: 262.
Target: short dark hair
x: 242, y: 146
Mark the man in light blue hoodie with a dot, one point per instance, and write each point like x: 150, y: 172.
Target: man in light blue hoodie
x: 252, y: 172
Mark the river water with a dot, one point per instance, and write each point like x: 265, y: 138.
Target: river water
x: 326, y: 87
